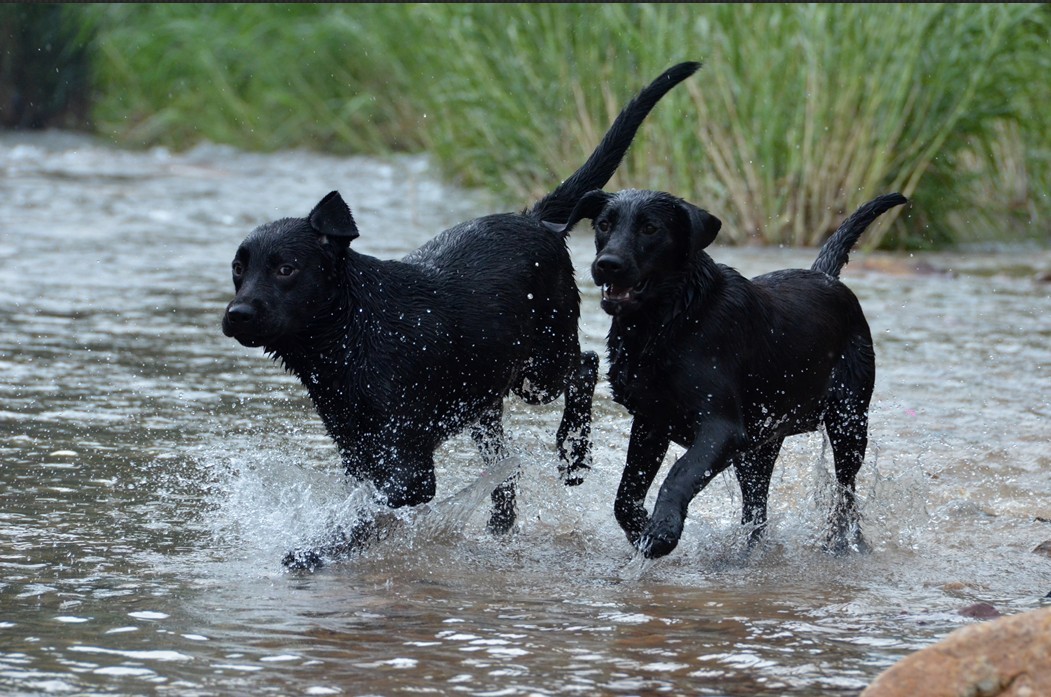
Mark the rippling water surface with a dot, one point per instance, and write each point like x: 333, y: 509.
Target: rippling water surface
x: 153, y: 472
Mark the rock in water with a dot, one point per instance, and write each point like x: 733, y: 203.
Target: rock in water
x: 1044, y: 548
x: 1006, y: 657
x: 980, y: 611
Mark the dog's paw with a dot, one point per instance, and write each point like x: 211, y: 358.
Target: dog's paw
x: 659, y: 538
x: 340, y: 543
x: 574, y: 474
x: 844, y: 532
x: 632, y: 519
x: 845, y: 539
x: 303, y: 560
x: 756, y: 535
x: 840, y: 545
x: 574, y: 454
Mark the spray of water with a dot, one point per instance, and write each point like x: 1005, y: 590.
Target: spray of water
x: 452, y: 514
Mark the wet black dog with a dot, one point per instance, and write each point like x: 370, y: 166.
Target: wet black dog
x: 724, y: 366
x: 400, y: 355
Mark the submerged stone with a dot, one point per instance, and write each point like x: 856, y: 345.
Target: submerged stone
x: 1044, y: 548
x: 981, y: 611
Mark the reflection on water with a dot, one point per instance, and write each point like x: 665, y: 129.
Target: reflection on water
x: 153, y: 473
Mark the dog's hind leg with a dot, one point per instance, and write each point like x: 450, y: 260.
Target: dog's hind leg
x: 847, y: 424
x: 847, y: 430
x: 574, y: 432
x: 557, y: 367
x: 488, y: 435
x: 754, y: 470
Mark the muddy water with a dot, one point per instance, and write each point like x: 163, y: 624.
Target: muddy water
x: 152, y: 473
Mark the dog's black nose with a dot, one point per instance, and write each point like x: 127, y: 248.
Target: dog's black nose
x: 240, y: 313
x: 609, y: 264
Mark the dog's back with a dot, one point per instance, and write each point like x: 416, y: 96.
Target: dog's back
x: 805, y: 330
x: 502, y: 280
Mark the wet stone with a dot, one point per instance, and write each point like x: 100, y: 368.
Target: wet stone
x: 980, y: 611
x: 1005, y: 657
x: 1044, y: 548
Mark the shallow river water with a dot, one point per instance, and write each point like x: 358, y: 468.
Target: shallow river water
x: 153, y: 472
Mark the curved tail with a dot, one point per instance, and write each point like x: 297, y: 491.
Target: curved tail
x: 835, y: 252
x: 598, y: 169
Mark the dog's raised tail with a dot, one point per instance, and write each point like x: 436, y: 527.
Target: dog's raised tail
x: 835, y: 253
x: 599, y: 168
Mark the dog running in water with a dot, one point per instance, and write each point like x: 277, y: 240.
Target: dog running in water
x: 398, y: 356
x: 725, y: 366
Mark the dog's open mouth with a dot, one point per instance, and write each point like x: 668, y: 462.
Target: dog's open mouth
x: 616, y: 297
x: 611, y: 291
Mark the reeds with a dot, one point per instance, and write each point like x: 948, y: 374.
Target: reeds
x: 814, y: 108
x: 801, y: 112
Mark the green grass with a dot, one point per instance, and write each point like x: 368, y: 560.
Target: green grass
x: 814, y: 108
x: 801, y: 112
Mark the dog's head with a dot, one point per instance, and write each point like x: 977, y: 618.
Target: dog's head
x: 284, y: 274
x: 644, y: 240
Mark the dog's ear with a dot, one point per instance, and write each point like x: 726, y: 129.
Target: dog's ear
x: 589, y: 206
x: 703, y: 226
x: 331, y: 219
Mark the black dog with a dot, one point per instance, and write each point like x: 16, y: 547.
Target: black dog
x: 724, y: 366
x: 400, y: 355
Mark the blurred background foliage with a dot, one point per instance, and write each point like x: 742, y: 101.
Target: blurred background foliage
x: 800, y: 113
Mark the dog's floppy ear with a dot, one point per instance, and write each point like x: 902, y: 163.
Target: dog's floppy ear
x: 331, y: 219
x: 703, y: 226
x: 589, y: 206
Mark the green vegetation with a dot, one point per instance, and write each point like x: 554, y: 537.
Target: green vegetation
x: 801, y: 112
x: 44, y: 67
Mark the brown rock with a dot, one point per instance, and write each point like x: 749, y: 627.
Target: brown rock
x: 980, y: 611
x: 1043, y: 548
x: 1007, y: 657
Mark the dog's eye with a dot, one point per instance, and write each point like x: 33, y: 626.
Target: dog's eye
x: 602, y: 226
x: 237, y: 268
x: 286, y: 270
x: 648, y: 229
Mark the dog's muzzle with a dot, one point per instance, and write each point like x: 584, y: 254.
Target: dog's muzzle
x: 241, y: 322
x: 619, y: 292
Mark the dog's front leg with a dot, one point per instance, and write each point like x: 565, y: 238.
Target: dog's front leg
x: 488, y: 435
x: 340, y: 543
x: 709, y: 455
x: 646, y: 450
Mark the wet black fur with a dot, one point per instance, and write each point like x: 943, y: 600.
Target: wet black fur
x: 398, y: 356
x: 725, y: 366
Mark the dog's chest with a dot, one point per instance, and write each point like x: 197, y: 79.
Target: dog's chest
x: 639, y: 383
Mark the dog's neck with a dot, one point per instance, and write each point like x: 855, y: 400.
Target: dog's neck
x: 631, y: 337
x: 354, y: 336
x: 335, y: 342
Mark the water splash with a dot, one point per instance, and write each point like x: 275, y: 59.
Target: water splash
x: 453, y: 513
x: 636, y: 567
